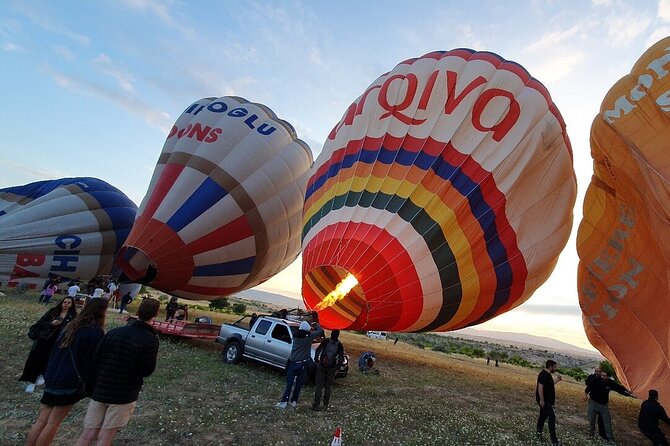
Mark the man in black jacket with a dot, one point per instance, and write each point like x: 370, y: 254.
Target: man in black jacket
x: 124, y: 357
x: 651, y: 412
x: 329, y: 356
x: 599, y: 391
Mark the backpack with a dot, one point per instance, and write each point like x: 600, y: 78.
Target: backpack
x: 329, y: 355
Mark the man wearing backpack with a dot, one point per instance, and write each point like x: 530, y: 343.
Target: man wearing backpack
x: 328, y: 357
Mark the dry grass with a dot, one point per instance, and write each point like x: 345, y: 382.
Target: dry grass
x: 421, y: 398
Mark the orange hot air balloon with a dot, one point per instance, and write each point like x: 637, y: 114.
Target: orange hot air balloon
x: 441, y: 199
x: 623, y: 241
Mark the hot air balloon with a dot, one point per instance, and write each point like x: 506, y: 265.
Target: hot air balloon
x: 441, y: 199
x: 70, y: 228
x: 224, y: 208
x: 623, y: 241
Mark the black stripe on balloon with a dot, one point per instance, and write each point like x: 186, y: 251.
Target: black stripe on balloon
x: 424, y: 225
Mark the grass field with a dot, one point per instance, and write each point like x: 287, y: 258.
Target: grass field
x: 420, y: 398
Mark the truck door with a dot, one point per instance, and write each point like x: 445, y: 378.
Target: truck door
x: 255, y: 343
x: 279, y: 345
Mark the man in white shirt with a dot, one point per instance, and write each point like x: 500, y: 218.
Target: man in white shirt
x: 73, y: 290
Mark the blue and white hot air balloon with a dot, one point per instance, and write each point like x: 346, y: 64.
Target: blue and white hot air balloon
x: 70, y: 228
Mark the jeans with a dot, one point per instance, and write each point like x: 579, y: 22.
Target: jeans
x: 547, y: 413
x: 604, y: 412
x: 294, y: 372
x: 323, y: 382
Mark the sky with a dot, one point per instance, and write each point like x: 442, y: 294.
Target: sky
x: 92, y: 88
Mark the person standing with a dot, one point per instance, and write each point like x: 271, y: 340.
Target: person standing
x: 69, y: 364
x: 73, y: 289
x: 47, y: 330
x: 545, y: 395
x: 651, y: 412
x: 599, y: 419
x: 49, y: 293
x: 171, y: 308
x: 125, y: 300
x: 598, y: 391
x: 126, y: 355
x: 328, y: 357
x: 297, y: 366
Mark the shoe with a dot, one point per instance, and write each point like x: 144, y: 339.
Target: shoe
x: 39, y: 381
x: 30, y: 388
x: 316, y: 407
x: 294, y: 404
x: 281, y: 405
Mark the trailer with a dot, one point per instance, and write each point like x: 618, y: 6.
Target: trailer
x: 186, y: 329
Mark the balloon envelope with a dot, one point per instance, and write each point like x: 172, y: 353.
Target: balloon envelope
x: 446, y: 191
x: 69, y: 228
x: 623, y: 240
x: 224, y: 208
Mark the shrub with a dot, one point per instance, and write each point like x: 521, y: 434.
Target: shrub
x: 239, y: 308
x: 219, y: 303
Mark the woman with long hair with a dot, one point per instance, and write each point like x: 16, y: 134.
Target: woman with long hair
x: 70, y: 365
x: 48, y: 328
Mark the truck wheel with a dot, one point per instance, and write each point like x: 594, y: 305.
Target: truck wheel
x: 232, y: 353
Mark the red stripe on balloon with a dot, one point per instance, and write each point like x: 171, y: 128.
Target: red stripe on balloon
x: 232, y: 232
x: 168, y: 177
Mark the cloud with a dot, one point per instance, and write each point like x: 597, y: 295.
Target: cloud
x: 155, y: 7
x: 657, y: 35
x: 664, y: 10
x: 124, y: 79
x: 63, y: 51
x: 550, y: 309
x: 11, y: 47
x: 43, y: 18
x: 29, y: 172
x: 556, y: 54
x: 625, y: 27
x: 152, y: 116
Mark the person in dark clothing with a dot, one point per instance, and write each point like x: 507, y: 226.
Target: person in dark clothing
x: 171, y: 308
x: 125, y: 300
x: 70, y: 359
x: 545, y: 396
x: 651, y: 412
x: 599, y: 419
x: 598, y: 391
x: 124, y: 357
x: 300, y: 354
x: 48, y: 328
x: 252, y: 320
x: 328, y: 357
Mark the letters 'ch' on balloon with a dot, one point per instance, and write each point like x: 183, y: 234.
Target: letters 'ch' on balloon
x: 623, y: 241
x: 69, y: 228
x: 224, y: 208
x: 441, y: 199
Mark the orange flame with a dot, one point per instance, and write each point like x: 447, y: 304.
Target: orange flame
x: 339, y: 293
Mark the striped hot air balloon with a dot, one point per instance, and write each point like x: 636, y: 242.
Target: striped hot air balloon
x: 70, y: 228
x: 224, y: 208
x: 441, y: 199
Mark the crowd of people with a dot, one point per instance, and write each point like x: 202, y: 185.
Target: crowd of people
x: 598, y: 387
x: 74, y: 358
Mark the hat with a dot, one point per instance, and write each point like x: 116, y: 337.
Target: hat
x: 304, y: 325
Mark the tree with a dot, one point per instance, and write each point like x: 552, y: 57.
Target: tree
x: 607, y: 366
x: 239, y: 308
x: 219, y: 303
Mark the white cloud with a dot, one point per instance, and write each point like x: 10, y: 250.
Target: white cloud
x: 26, y: 173
x: 155, y: 7
x: 664, y: 10
x: 44, y: 18
x: 63, y: 51
x: 657, y: 35
x: 556, y: 54
x: 106, y: 66
x: 152, y: 116
x: 11, y: 47
x: 625, y: 27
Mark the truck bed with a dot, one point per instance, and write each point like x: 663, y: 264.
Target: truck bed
x: 187, y: 329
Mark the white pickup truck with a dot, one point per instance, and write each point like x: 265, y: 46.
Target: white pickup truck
x: 269, y: 340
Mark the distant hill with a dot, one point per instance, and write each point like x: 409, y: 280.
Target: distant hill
x: 521, y: 340
x: 524, y: 340
x: 276, y: 300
